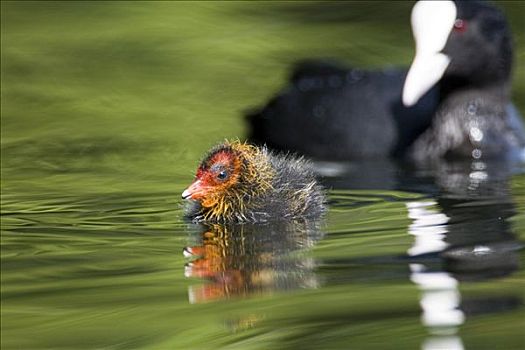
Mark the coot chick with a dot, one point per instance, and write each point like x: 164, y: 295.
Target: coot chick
x: 238, y: 182
x: 465, y: 47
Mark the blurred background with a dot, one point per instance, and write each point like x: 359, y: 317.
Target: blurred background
x: 106, y: 109
x: 114, y: 75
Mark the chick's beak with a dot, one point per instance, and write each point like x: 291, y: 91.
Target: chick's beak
x: 191, y: 192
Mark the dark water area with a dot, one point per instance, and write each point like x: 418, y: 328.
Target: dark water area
x: 107, y: 108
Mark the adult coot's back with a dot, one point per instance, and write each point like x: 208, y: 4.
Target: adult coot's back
x: 329, y: 111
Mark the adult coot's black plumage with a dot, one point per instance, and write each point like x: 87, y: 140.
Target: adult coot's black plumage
x: 466, y: 49
x: 332, y: 112
x: 329, y: 111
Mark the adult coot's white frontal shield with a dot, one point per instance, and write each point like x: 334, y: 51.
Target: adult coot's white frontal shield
x: 432, y: 22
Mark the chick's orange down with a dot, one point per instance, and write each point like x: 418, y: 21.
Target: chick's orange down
x: 238, y: 182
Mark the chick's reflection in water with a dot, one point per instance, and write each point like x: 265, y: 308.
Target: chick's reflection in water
x: 240, y: 260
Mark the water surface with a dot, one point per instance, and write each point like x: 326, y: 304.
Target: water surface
x: 107, y: 108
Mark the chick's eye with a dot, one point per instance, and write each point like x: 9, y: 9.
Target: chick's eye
x: 460, y: 25
x: 222, y: 175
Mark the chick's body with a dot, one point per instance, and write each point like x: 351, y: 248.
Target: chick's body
x: 238, y: 182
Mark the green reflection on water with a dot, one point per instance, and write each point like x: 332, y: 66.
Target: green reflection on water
x: 106, y: 109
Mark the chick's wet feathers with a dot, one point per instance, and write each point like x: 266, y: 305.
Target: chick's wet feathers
x: 264, y: 186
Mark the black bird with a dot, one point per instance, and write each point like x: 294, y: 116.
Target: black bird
x: 465, y: 47
x: 462, y: 69
x: 332, y: 112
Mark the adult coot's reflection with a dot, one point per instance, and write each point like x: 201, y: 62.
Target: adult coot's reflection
x: 462, y: 234
x: 241, y: 260
x: 473, y: 195
x: 476, y: 196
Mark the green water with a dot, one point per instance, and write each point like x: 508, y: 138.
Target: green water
x: 107, y: 108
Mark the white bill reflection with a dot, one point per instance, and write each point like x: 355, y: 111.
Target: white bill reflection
x: 440, y: 297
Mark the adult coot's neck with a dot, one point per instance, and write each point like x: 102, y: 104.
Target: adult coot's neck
x: 455, y: 84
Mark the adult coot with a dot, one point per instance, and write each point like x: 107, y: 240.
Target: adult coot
x: 332, y: 112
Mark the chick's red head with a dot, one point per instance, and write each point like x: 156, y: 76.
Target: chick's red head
x: 217, y: 173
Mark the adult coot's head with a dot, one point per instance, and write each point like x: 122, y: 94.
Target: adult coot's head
x: 466, y: 42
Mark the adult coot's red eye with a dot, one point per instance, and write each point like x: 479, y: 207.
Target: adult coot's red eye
x: 460, y: 25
